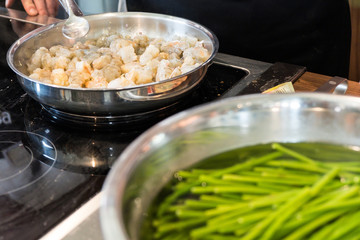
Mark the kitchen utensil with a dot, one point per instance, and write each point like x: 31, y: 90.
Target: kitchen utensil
x: 336, y: 85
x: 74, y: 27
x: 341, y: 88
x: 112, y: 102
x: 190, y: 136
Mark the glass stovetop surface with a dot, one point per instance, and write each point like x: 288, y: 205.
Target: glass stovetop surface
x: 49, y: 167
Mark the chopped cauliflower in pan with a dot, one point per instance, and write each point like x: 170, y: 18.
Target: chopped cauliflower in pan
x: 115, y: 61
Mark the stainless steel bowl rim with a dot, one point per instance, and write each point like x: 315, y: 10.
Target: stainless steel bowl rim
x: 116, y: 180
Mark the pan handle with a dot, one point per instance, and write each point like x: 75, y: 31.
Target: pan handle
x: 75, y: 8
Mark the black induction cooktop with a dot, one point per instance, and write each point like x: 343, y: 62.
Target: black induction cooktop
x: 50, y: 164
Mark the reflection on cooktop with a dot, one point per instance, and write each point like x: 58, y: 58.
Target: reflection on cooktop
x: 20, y: 165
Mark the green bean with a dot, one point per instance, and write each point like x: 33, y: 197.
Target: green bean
x: 216, y: 221
x: 242, y: 231
x: 264, y: 201
x: 172, y: 197
x: 200, y: 232
x: 338, y: 228
x: 199, y: 204
x: 186, y: 174
x: 292, y: 153
x: 284, y: 194
x: 168, y: 227
x: 184, y: 213
x: 246, y: 219
x: 296, y: 174
x: 274, y: 187
x: 286, y: 211
x: 165, y: 219
x: 215, y: 181
x: 233, y: 196
x: 248, y: 164
x: 319, y: 185
x: 175, y: 236
x: 218, y: 199
x: 325, y: 197
x: 353, y: 235
x: 253, y: 179
x: 241, y: 166
x: 308, y: 228
x: 219, y: 237
x: 345, y: 194
x: 296, y: 166
x: 337, y: 205
x: 243, y: 188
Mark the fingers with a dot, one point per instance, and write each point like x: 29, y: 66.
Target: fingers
x: 52, y: 7
x: 30, y: 7
x: 41, y: 7
x: 38, y: 7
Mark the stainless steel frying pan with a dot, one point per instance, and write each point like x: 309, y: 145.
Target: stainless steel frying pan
x: 112, y: 102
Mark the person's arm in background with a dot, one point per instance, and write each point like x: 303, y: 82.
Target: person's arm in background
x: 37, y: 7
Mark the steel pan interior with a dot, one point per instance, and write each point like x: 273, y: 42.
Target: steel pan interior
x: 112, y: 101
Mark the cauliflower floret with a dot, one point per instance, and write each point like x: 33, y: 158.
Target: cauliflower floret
x: 141, y: 41
x: 157, y: 42
x: 59, y: 50
x: 101, y: 61
x: 97, y: 83
x: 42, y: 75
x: 140, y: 75
x: 83, y: 67
x: 105, y: 51
x: 175, y: 72
x: 109, y: 39
x: 59, y: 77
x: 79, y: 53
x: 128, y: 66
x: 111, y: 72
x: 60, y: 62
x: 98, y: 80
x: 36, y: 59
x: 72, y: 65
x: 46, y: 61
x: 164, y: 70
x: 191, y: 40
x: 77, y: 80
x: 80, y: 75
x: 150, y: 53
x: 189, y: 64
x: 127, y: 54
x: 117, y: 60
x: 175, y: 61
x: 199, y: 53
x: 175, y: 47
x: 119, y: 43
x: 153, y: 66
x: 79, y: 45
x: 89, y: 56
x: 121, y: 82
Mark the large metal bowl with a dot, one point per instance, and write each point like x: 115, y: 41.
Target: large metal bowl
x: 187, y: 137
x: 112, y: 102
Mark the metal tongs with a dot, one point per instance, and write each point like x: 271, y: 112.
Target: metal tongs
x: 336, y: 85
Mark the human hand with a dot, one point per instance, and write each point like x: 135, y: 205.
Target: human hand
x: 38, y: 7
